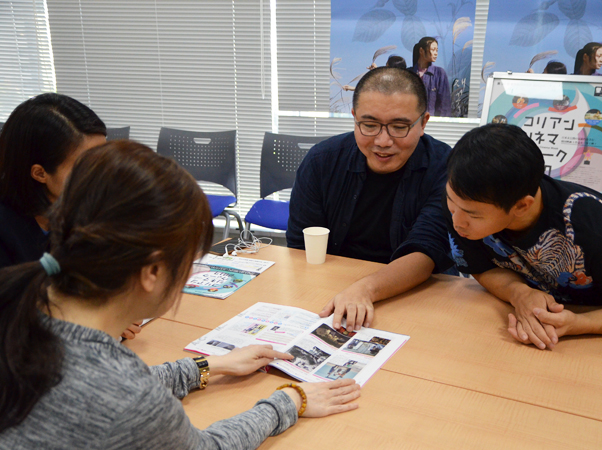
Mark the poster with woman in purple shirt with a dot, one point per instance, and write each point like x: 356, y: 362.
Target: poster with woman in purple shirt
x: 366, y: 33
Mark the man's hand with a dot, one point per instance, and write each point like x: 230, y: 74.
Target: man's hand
x: 354, y: 303
x: 528, y: 328
x: 357, y: 301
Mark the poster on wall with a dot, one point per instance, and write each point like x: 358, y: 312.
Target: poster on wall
x: 537, y: 35
x: 562, y: 114
x: 365, y: 35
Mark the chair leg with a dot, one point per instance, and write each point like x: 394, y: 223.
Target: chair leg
x: 247, y: 232
x: 227, y: 227
x: 237, y: 217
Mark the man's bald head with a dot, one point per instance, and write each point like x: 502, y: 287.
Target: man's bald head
x: 389, y: 81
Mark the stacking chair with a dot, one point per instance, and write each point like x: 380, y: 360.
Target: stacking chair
x: 118, y: 133
x: 208, y: 156
x: 281, y: 156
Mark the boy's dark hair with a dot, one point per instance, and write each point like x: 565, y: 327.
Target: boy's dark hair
x: 497, y: 164
x: 389, y: 81
x: 43, y: 130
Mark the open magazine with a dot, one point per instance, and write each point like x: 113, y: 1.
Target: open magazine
x: 219, y: 276
x: 321, y: 352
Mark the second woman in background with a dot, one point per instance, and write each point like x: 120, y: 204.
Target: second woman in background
x: 589, y: 59
x: 39, y: 143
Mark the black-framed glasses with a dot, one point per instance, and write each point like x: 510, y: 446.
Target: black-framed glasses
x: 398, y: 130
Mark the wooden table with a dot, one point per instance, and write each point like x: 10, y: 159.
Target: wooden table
x: 460, y: 382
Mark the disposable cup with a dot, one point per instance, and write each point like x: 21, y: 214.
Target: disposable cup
x: 316, y: 241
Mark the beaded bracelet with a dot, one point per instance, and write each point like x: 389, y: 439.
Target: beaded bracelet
x: 301, y: 392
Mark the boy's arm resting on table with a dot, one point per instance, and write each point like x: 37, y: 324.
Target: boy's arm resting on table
x: 510, y: 287
x: 356, y: 302
x: 569, y: 323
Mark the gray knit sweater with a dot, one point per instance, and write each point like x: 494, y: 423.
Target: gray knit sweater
x: 109, y: 399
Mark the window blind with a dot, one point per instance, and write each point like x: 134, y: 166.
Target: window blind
x: 180, y: 64
x: 26, y: 64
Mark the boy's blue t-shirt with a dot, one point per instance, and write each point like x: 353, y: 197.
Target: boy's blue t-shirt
x: 561, y: 254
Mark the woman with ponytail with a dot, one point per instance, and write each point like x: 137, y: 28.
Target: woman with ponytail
x: 588, y: 59
x: 124, y: 234
x: 438, y: 97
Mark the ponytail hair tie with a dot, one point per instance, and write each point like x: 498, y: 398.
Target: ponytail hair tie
x: 50, y: 264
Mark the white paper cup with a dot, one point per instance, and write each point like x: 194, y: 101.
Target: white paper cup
x: 316, y: 241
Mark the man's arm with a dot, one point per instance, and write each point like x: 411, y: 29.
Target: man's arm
x: 395, y: 278
x: 510, y: 287
x: 425, y: 248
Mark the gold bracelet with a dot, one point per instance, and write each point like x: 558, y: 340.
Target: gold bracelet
x: 301, y: 392
x: 203, y: 366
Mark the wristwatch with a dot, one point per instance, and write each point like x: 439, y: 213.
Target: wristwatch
x: 203, y: 365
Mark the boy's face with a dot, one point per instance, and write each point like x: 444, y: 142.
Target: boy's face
x: 476, y: 220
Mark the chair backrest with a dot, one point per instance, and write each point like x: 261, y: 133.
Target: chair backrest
x: 281, y: 156
x: 118, y: 133
x: 208, y: 156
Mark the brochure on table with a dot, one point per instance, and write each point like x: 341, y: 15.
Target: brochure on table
x: 321, y: 352
x: 219, y: 276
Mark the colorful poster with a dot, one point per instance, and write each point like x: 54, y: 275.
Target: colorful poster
x: 564, y: 118
x: 525, y: 35
x: 366, y: 33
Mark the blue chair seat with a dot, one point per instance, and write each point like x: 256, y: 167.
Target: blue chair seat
x: 220, y: 202
x: 269, y: 214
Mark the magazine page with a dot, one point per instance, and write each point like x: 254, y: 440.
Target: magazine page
x: 262, y: 323
x: 220, y: 276
x: 321, y: 352
x: 328, y: 354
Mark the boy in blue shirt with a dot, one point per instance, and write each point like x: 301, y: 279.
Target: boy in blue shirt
x: 530, y: 240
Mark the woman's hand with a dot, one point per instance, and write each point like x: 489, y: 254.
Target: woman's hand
x: 326, y: 398
x: 131, y: 331
x: 243, y: 361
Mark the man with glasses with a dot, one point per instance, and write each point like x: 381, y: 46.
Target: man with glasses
x: 379, y: 191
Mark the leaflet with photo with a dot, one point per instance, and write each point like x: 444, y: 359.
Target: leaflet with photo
x: 220, y: 276
x: 321, y: 352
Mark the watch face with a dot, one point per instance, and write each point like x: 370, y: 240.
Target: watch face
x: 201, y: 362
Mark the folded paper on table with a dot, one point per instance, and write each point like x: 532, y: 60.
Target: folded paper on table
x: 220, y: 276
